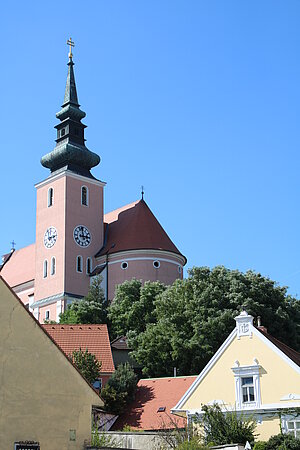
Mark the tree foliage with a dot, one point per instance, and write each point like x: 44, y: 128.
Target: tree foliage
x: 283, y: 442
x: 87, y: 364
x: 189, y: 320
x: 91, y: 309
x: 220, y: 428
x: 133, y: 307
x: 120, y: 389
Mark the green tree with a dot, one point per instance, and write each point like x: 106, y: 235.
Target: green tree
x: 120, y: 389
x: 87, y: 364
x: 220, y: 428
x: 133, y: 307
x: 283, y: 442
x: 91, y: 309
x: 193, y: 317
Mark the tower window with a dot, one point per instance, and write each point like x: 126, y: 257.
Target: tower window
x: 124, y: 265
x: 76, y: 131
x: 89, y: 265
x: 79, y: 264
x: 50, y: 197
x: 47, y: 315
x: 53, y: 264
x: 45, y: 268
x: 62, y: 132
x: 179, y: 269
x: 84, y: 196
x: 156, y: 264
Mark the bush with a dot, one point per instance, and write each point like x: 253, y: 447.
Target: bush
x: 193, y: 444
x: 260, y: 445
x: 227, y: 427
x: 120, y: 389
x: 283, y: 442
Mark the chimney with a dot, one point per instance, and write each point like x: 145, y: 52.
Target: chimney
x: 260, y: 326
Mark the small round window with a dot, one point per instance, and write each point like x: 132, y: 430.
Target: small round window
x: 124, y: 265
x: 156, y: 264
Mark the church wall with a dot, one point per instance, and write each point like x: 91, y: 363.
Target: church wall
x: 46, y: 217
x: 90, y: 216
x: 140, y: 266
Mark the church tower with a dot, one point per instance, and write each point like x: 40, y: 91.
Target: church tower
x: 69, y: 216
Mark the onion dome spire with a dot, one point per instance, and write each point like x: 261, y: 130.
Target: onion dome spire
x: 70, y: 151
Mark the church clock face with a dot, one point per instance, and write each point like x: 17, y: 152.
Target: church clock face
x: 82, y: 236
x: 50, y: 237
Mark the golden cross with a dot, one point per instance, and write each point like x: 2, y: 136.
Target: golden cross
x: 71, y: 44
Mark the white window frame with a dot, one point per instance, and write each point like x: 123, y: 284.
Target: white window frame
x: 50, y: 197
x: 124, y: 268
x: 158, y: 264
x: 79, y: 257
x: 45, y: 268
x: 89, y: 260
x: 244, y: 372
x: 87, y: 195
x: 53, y: 266
x: 288, y: 419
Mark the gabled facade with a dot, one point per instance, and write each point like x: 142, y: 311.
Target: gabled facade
x: 251, y: 372
x: 74, y: 239
x: 43, y: 397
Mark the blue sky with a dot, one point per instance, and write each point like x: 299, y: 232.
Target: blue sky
x: 196, y: 100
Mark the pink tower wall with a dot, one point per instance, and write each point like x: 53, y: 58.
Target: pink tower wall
x: 65, y: 214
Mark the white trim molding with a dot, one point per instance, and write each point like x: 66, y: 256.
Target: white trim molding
x: 241, y: 372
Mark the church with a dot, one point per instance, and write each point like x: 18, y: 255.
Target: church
x: 75, y: 240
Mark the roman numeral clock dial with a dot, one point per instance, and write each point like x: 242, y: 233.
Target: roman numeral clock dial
x: 82, y: 236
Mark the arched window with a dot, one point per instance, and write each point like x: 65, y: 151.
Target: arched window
x: 84, y: 196
x: 89, y: 265
x: 45, y: 268
x: 50, y: 197
x: 53, y: 264
x: 79, y: 264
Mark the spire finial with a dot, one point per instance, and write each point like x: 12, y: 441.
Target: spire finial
x: 142, y: 188
x: 13, y: 244
x: 71, y: 44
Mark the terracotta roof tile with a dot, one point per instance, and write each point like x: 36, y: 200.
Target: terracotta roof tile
x: 134, y: 227
x: 152, y: 394
x: 93, y: 337
x: 20, y: 267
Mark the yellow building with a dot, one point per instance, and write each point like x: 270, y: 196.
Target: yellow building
x: 43, y: 397
x: 251, y: 372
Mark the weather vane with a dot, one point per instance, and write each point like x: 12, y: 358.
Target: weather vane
x: 13, y: 245
x: 71, y: 44
x: 142, y: 187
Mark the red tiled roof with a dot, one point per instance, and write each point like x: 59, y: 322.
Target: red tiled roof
x: 92, y: 337
x: 20, y: 267
x: 134, y: 227
x: 152, y: 394
x: 288, y: 351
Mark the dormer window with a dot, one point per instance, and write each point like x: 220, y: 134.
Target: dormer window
x: 50, y: 197
x: 84, y: 196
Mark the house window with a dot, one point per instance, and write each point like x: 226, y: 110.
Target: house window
x: 247, y: 389
x: 45, y: 268
x: 84, y: 196
x: 79, y: 264
x: 53, y: 264
x: 50, y: 197
x: 89, y: 265
x: 247, y: 385
x: 293, y: 427
x: 47, y: 315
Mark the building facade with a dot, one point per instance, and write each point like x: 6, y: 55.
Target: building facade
x: 75, y: 240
